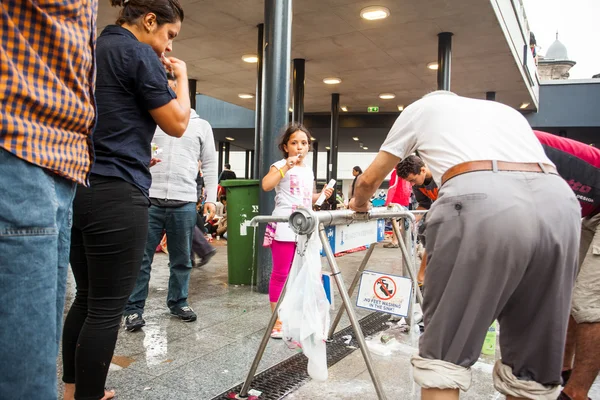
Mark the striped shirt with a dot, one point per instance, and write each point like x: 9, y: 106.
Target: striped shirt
x: 47, y: 75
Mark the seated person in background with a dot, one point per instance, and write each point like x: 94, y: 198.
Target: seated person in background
x: 218, y: 225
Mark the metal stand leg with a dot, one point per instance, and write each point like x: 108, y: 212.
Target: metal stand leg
x: 347, y: 304
x: 407, y: 259
x: 359, y: 272
x: 261, y: 349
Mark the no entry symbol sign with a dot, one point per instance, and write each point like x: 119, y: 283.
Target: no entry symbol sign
x: 384, y: 292
x: 384, y: 288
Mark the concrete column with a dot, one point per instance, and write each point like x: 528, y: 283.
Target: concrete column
x: 227, y: 145
x: 333, y: 140
x: 315, y: 151
x: 192, y: 86
x: 221, y: 148
x: 258, y: 112
x: 247, y: 165
x: 444, y: 60
x: 275, y: 103
x: 298, y: 82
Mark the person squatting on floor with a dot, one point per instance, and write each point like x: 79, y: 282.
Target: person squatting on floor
x: 110, y: 218
x: 174, y: 195
x: 496, y: 247
x: 47, y: 115
x: 294, y: 183
x: 578, y: 164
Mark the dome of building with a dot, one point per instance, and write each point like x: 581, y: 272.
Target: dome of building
x: 557, y: 51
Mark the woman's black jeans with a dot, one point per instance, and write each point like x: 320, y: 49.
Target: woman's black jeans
x: 110, y: 226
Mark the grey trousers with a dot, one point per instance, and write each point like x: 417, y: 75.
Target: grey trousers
x: 501, y: 245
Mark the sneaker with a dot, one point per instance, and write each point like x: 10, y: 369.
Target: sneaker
x: 277, y: 332
x: 185, y: 313
x: 207, y: 258
x: 134, y: 322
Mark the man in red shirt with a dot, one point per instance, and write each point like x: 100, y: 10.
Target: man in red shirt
x: 578, y: 164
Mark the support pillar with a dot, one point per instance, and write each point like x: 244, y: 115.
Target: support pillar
x: 275, y: 103
x: 221, y: 149
x: 333, y: 142
x: 298, y: 82
x: 258, y: 112
x: 227, y: 145
x: 444, y: 60
x: 192, y: 88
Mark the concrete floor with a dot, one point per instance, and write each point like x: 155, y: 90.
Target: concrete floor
x: 170, y: 359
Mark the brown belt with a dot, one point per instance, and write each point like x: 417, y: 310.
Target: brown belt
x: 488, y: 165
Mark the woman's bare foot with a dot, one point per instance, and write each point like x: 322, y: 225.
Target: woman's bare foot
x: 69, y: 393
x: 108, y: 394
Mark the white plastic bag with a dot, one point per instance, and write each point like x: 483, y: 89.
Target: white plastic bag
x: 304, y: 311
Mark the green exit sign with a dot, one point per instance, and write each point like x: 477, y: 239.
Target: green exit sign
x: 373, y: 109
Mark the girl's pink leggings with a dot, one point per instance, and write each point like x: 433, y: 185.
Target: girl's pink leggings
x: 283, y: 255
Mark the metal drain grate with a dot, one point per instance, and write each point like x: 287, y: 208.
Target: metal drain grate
x: 283, y: 378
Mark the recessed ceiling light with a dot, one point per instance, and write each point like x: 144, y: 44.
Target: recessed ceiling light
x: 433, y: 65
x: 524, y: 105
x: 245, y: 96
x: 313, y: 139
x: 229, y: 138
x: 332, y: 81
x: 327, y: 148
x: 355, y: 138
x: 250, y: 58
x: 400, y: 108
x: 374, y: 12
x: 387, y: 96
x: 365, y: 148
x: 290, y: 109
x: 344, y: 109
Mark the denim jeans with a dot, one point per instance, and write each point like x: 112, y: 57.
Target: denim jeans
x: 35, y: 231
x: 178, y: 222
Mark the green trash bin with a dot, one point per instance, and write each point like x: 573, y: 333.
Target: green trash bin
x: 242, y: 206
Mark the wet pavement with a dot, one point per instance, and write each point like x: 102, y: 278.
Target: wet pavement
x: 175, y: 360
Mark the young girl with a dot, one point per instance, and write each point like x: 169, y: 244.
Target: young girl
x: 293, y: 182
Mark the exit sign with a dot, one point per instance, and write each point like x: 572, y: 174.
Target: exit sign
x: 373, y: 109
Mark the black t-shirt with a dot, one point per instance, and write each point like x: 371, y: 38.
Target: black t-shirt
x: 226, y: 174
x: 426, y: 194
x: 131, y: 80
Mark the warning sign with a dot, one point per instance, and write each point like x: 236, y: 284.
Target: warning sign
x: 384, y: 293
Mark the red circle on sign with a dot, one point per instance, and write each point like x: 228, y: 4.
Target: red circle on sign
x: 381, y: 286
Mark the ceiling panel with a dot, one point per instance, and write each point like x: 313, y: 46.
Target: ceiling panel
x: 370, y: 57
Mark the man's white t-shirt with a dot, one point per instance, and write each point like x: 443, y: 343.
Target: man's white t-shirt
x: 294, y: 189
x: 448, y: 129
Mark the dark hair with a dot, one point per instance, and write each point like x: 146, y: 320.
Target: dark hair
x: 228, y: 166
x: 357, y: 169
x: 166, y: 11
x: 410, y: 165
x: 222, y: 198
x: 289, y: 131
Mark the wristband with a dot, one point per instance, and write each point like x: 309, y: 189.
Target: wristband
x: 282, y: 173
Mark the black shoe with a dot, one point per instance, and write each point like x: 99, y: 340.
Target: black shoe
x: 185, y: 313
x: 565, y: 375
x: 207, y: 258
x: 134, y: 322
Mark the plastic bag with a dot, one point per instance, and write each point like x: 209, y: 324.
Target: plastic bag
x: 304, y: 311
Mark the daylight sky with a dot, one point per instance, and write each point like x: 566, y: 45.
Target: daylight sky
x: 578, y: 29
